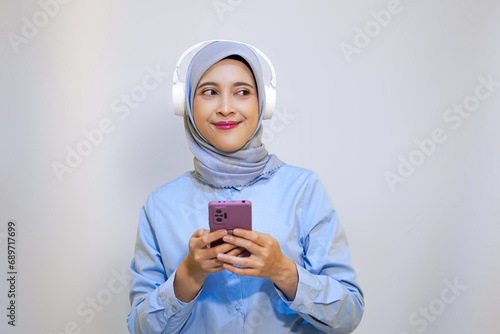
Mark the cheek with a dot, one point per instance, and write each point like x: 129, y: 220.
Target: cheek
x: 196, y: 118
x: 199, y: 112
x: 254, y: 114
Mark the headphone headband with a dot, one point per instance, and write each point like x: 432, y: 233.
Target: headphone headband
x: 179, y: 91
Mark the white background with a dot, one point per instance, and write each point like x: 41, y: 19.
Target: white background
x: 350, y: 118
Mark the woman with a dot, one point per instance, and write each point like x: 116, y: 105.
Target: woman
x: 298, y: 278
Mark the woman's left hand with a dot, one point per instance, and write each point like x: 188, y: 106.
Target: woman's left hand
x: 266, y: 260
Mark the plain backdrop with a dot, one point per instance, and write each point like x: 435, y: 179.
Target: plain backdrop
x: 385, y: 100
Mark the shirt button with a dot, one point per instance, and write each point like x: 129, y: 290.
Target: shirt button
x: 301, y: 307
x: 174, y: 309
x: 237, y: 307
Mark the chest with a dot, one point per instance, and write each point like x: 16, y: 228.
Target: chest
x: 275, y: 213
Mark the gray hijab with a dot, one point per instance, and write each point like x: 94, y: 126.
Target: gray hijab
x: 212, y: 166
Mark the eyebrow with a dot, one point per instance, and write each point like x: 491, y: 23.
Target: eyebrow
x: 211, y: 83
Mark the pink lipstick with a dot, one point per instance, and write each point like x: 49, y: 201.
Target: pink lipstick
x: 226, y: 125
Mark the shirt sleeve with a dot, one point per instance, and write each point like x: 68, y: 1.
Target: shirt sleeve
x: 155, y: 308
x: 327, y: 289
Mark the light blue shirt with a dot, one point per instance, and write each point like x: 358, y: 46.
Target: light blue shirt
x: 292, y: 206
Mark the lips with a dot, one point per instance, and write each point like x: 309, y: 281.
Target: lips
x: 226, y: 125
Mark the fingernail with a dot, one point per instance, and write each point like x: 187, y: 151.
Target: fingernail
x: 221, y: 256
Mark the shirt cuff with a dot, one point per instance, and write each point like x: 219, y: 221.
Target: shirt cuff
x: 174, y: 306
x: 308, y: 289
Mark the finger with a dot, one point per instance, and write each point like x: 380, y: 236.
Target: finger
x: 239, y: 271
x: 223, y: 248
x: 243, y: 243
x: 246, y: 262
x: 214, y: 266
x: 206, y: 254
x: 248, y: 234
x: 199, y: 233
x: 206, y: 238
x: 237, y: 251
x: 240, y: 232
x: 261, y: 239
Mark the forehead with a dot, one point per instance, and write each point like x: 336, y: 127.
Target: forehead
x: 228, y: 70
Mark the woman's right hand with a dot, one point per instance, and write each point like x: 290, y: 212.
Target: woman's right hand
x: 200, y: 262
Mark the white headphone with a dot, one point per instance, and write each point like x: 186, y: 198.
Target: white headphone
x: 179, y: 88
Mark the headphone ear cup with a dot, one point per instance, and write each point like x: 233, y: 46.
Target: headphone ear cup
x: 270, y: 102
x: 179, y: 98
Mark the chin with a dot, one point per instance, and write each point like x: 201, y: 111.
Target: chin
x: 229, y: 148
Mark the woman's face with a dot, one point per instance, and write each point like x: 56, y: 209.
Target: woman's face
x: 226, y: 106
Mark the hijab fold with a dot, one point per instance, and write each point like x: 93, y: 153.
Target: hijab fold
x: 213, y: 166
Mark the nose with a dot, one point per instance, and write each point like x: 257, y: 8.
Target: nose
x: 225, y: 106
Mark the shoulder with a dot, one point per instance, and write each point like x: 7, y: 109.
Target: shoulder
x: 296, y: 173
x: 302, y: 180
x: 293, y: 179
x: 295, y: 169
x: 179, y: 187
x: 177, y: 182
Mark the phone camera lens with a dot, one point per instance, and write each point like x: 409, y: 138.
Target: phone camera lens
x: 218, y: 210
x: 219, y: 219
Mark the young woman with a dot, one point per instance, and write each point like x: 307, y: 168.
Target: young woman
x: 298, y: 277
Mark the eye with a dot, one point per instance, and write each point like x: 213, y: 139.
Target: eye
x: 209, y: 91
x: 243, y: 92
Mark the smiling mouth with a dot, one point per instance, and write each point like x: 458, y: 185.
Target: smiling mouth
x: 226, y: 125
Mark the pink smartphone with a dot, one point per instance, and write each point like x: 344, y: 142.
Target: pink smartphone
x: 229, y: 215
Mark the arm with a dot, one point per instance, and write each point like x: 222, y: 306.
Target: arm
x: 327, y: 289
x: 162, y: 303
x: 329, y: 302
x: 323, y: 289
x: 154, y: 305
